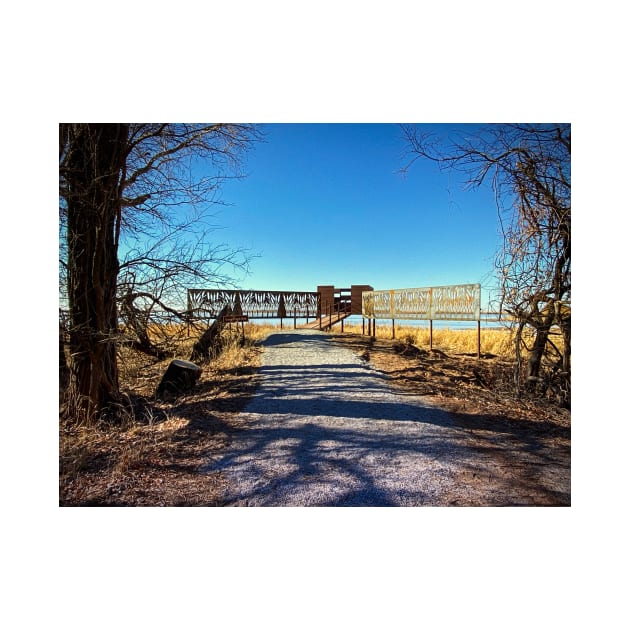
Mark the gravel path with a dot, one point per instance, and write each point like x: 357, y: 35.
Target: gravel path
x: 324, y: 429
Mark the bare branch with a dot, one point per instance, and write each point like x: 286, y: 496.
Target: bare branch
x: 530, y: 170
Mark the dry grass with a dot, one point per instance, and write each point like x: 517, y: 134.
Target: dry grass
x: 494, y: 341
x: 155, y: 455
x: 499, y: 342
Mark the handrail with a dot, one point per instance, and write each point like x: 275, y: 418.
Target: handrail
x: 335, y: 309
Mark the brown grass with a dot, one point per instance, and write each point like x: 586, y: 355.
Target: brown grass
x: 493, y: 341
x: 155, y: 455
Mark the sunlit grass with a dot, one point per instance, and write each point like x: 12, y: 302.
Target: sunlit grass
x: 493, y: 341
x: 497, y: 341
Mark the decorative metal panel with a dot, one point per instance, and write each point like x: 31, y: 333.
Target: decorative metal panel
x: 461, y: 301
x: 367, y: 309
x: 254, y: 304
x: 411, y: 303
x: 455, y: 302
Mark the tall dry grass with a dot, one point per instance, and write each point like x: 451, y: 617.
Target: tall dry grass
x: 499, y: 342
x: 496, y: 341
x: 237, y: 343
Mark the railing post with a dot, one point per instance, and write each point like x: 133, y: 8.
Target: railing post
x: 478, y: 339
x: 430, y: 334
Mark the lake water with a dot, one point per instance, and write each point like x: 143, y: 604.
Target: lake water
x: 437, y: 324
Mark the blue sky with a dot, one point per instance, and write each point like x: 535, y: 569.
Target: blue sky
x: 326, y: 204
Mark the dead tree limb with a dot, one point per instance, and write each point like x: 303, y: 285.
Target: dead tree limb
x: 205, y: 348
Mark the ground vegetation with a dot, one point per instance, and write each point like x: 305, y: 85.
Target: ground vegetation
x: 157, y: 454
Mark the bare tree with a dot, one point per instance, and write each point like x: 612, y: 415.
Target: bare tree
x: 168, y: 241
x: 140, y: 193
x: 92, y: 158
x: 529, y: 167
x: 153, y: 281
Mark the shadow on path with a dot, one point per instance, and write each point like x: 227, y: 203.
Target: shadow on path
x: 324, y: 429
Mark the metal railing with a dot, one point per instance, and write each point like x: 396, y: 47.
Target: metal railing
x: 254, y: 304
x: 456, y: 302
x: 341, y: 306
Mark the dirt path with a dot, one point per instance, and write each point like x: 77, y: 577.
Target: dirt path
x: 326, y: 429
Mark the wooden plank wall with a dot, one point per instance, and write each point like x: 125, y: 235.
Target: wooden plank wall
x: 327, y: 297
x: 356, y: 293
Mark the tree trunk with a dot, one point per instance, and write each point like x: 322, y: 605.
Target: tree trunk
x: 205, y: 347
x: 64, y: 372
x: 535, y: 357
x: 96, y: 157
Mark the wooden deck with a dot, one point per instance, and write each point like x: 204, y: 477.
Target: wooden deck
x: 325, y: 322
